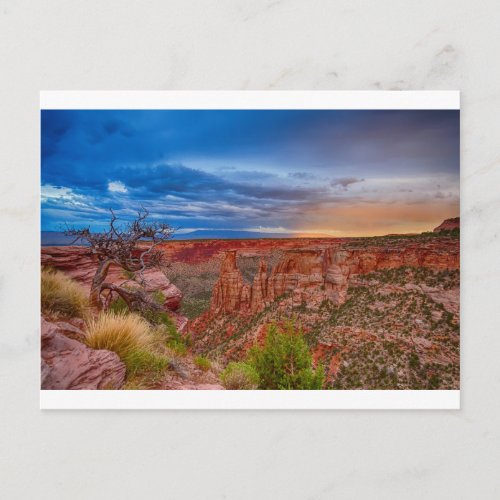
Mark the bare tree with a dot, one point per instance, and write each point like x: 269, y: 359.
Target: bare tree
x: 133, y: 247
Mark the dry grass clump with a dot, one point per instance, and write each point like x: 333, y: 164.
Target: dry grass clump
x: 240, y: 376
x: 118, y: 332
x: 61, y: 296
x: 132, y: 338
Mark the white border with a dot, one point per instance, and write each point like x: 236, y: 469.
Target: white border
x: 247, y: 400
x: 237, y: 99
x: 242, y: 400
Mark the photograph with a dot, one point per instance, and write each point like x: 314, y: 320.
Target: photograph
x: 250, y: 249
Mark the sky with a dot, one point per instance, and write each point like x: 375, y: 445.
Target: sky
x: 304, y: 172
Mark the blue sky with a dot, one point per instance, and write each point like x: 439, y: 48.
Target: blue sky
x: 323, y: 172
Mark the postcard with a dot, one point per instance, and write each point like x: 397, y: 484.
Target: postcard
x: 250, y: 250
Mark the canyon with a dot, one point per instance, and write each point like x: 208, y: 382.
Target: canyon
x: 314, y: 275
x: 379, y: 312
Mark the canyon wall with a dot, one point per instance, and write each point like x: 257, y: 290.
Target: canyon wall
x: 313, y: 275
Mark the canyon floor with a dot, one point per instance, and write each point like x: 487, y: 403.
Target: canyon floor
x: 377, y: 313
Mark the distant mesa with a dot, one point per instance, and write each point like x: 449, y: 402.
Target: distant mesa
x: 448, y: 225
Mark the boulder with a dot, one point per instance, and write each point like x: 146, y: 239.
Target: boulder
x: 69, y: 364
x: 156, y: 280
x: 70, y: 331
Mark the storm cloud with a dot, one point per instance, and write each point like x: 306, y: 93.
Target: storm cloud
x: 295, y: 170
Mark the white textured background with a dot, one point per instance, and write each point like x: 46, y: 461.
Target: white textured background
x: 274, y: 44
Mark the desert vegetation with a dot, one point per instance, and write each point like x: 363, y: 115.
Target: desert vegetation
x: 131, y: 337
x: 61, y: 296
x: 239, y: 375
x: 283, y: 362
x: 132, y: 247
x: 395, y: 239
x: 196, y: 281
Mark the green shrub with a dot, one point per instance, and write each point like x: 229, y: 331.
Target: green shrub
x: 168, y: 332
x: 434, y: 381
x: 202, y: 363
x: 161, y: 318
x: 61, y: 296
x: 143, y: 360
x: 240, y: 376
x: 119, y: 306
x: 284, y: 362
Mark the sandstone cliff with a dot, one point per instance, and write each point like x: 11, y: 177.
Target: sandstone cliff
x: 314, y: 275
x: 258, y: 293
x: 230, y: 292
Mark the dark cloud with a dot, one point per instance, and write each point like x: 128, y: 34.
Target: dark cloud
x: 345, y: 182
x: 235, y: 168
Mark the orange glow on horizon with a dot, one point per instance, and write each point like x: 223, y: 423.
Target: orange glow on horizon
x: 378, y: 219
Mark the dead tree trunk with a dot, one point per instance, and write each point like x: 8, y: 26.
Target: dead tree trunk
x: 136, y: 299
x: 133, y: 248
x: 97, y: 282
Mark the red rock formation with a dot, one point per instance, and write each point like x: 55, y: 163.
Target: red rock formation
x: 194, y: 251
x: 339, y: 265
x: 230, y: 292
x: 69, y: 330
x: 316, y: 274
x: 448, y: 225
x: 298, y: 269
x: 69, y: 364
x: 80, y: 265
x: 258, y: 298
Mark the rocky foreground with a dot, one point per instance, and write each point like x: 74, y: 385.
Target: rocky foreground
x: 67, y: 363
